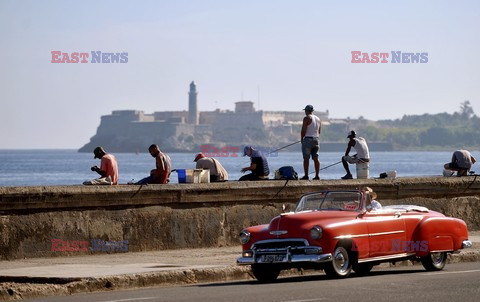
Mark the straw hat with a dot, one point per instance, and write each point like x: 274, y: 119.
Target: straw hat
x: 371, y: 192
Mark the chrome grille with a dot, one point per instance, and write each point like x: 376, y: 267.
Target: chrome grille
x: 279, y: 243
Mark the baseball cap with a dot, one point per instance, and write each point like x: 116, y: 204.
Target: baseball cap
x: 308, y: 108
x: 246, y: 149
x: 352, y: 134
x: 97, y: 152
x: 199, y: 155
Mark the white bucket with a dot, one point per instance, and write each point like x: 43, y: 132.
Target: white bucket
x: 363, y: 170
x: 392, y: 174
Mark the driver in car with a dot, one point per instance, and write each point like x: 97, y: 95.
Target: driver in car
x: 371, y: 199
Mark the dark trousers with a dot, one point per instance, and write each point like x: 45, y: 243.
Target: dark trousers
x: 251, y: 176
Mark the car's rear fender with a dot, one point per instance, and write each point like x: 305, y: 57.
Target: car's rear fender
x: 440, y: 234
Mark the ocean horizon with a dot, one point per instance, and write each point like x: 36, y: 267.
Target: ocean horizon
x: 54, y: 167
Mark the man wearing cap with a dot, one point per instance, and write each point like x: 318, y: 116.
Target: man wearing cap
x: 258, y: 165
x: 217, y: 171
x: 108, y: 168
x: 309, y: 137
x: 161, y: 174
x: 462, y: 161
x: 362, y: 155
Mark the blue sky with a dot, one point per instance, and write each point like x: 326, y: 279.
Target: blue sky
x: 279, y: 54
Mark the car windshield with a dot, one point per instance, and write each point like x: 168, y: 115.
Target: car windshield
x: 340, y: 201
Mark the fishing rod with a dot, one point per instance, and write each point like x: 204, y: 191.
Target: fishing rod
x: 326, y: 167
x: 284, y: 147
x: 330, y: 165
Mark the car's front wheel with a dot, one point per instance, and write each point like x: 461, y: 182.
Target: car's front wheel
x: 265, y: 272
x: 434, y: 261
x: 341, y: 264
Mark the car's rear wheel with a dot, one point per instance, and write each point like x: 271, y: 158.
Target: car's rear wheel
x: 341, y: 264
x: 265, y: 272
x: 434, y: 261
x: 362, y: 268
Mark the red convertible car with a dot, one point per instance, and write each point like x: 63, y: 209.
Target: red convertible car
x: 338, y: 231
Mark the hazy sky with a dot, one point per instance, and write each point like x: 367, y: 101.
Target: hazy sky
x: 280, y: 54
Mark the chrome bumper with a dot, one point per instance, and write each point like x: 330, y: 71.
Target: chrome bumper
x: 288, y: 255
x: 466, y: 244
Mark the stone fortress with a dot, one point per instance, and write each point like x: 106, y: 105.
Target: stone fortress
x: 187, y: 131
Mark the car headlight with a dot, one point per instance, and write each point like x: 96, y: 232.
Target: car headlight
x: 244, y: 237
x: 316, y: 232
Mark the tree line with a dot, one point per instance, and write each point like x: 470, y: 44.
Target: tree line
x: 437, y: 131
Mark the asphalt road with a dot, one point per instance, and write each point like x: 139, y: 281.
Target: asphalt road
x: 457, y: 282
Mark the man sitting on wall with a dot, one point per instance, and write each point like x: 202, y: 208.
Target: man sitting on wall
x: 462, y: 161
x: 362, y: 155
x: 217, y: 171
x: 161, y: 174
x: 108, y: 169
x: 258, y: 165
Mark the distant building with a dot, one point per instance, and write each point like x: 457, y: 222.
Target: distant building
x: 134, y: 131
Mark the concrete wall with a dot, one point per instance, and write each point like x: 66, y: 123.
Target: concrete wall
x: 156, y: 217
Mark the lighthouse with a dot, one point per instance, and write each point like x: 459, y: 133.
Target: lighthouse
x: 192, y: 104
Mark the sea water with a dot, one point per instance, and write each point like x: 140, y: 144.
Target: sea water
x: 68, y: 167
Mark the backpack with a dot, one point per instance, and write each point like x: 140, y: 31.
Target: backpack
x: 288, y: 172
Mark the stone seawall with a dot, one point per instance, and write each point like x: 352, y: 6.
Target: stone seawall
x: 157, y: 217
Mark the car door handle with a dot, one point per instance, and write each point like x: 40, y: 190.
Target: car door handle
x: 397, y: 214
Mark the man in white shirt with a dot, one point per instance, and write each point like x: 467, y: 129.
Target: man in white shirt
x: 362, y: 155
x: 310, y: 140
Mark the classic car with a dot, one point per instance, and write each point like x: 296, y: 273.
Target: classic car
x: 338, y: 231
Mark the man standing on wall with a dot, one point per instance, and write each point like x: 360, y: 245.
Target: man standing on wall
x: 309, y: 137
x: 362, y: 156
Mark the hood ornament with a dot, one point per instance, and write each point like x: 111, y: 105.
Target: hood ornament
x: 278, y: 233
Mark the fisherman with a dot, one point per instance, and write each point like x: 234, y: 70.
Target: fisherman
x: 362, y: 155
x: 462, y: 161
x: 161, y: 174
x: 108, y: 168
x: 258, y: 165
x: 217, y: 171
x: 309, y: 137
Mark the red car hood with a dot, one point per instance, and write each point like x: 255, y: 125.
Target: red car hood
x: 298, y: 225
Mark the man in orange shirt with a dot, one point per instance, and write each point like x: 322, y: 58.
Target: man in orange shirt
x: 108, y: 169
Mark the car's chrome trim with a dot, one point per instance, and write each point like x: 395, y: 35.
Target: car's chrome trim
x: 304, y: 241
x: 368, y: 235
x: 389, y: 257
x: 441, y: 251
x: 287, y: 254
x: 278, y: 233
x: 466, y: 244
x: 321, y: 258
